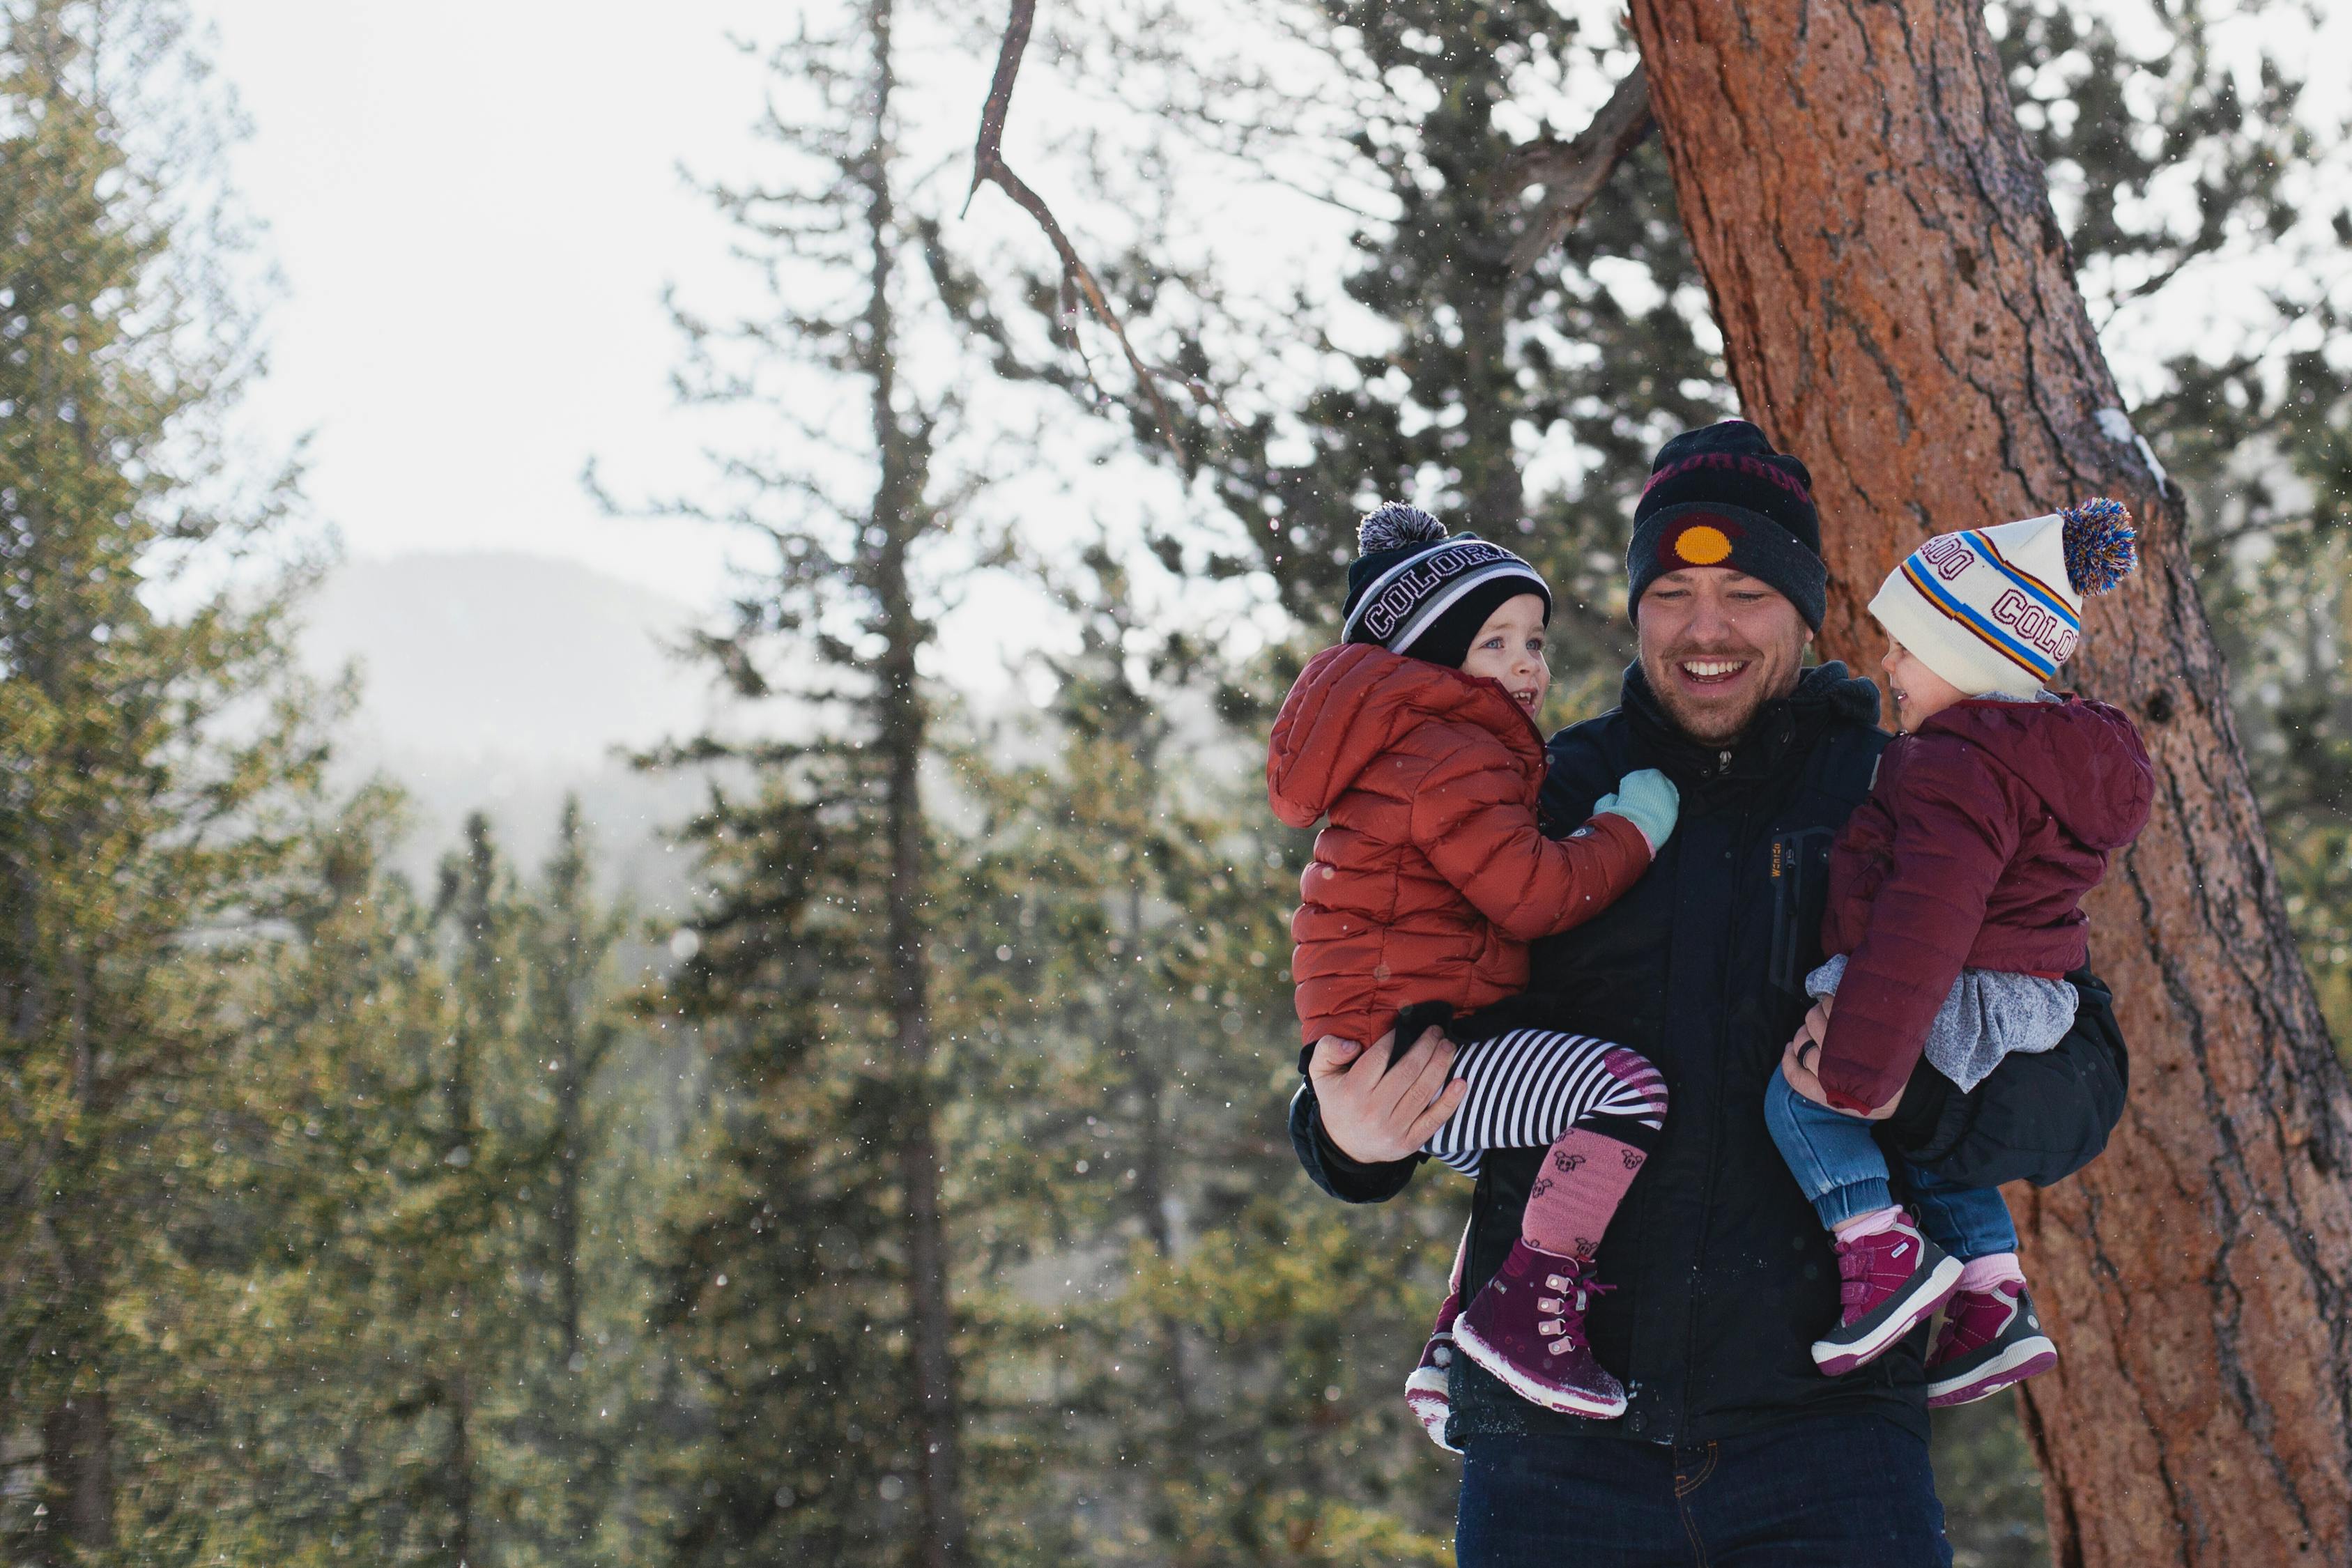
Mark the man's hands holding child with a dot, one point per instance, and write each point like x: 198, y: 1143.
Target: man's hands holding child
x: 1804, y: 1052
x: 1647, y: 799
x: 1375, y: 1111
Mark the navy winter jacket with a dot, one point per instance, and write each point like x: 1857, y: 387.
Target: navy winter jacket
x: 1722, y: 1275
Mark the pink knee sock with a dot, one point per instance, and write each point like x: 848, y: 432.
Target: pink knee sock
x: 1994, y: 1268
x: 1585, y: 1174
x: 1869, y: 1224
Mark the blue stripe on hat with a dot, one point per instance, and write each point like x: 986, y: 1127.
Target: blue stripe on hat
x: 2026, y: 580
x: 2021, y: 653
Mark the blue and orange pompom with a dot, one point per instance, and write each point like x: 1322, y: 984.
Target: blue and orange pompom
x: 2101, y: 547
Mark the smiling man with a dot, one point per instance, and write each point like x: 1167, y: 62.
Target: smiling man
x: 1734, y: 1448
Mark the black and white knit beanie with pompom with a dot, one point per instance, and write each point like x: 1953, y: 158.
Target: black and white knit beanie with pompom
x: 1416, y: 589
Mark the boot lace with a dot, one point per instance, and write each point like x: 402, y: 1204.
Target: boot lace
x: 1565, y: 1327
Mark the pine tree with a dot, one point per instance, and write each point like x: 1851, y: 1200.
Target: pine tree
x: 151, y: 756
x: 783, y: 1286
x: 575, y: 1228
x: 393, y: 1360
x: 1194, y: 1359
x: 816, y: 972
x: 318, y: 1326
x: 567, y: 942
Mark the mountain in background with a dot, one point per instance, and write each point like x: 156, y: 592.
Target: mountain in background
x: 503, y: 681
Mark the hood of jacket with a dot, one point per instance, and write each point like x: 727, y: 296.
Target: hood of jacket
x: 1353, y: 703
x: 2082, y: 758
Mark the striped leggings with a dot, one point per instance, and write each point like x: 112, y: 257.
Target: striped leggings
x: 1596, y: 1109
x: 1530, y: 1087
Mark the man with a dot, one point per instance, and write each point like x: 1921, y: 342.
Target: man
x: 1733, y: 1449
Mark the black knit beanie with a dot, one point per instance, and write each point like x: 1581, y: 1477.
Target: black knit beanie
x: 1417, y: 590
x: 1722, y: 497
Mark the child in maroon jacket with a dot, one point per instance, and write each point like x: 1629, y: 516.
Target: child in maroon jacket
x: 1955, y: 911
x: 1416, y: 738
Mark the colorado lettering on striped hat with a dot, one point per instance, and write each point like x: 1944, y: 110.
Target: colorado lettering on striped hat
x: 2000, y: 609
x: 1414, y: 592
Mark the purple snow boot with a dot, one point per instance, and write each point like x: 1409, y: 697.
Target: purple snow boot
x: 1891, y: 1282
x: 1429, y: 1392
x: 1990, y: 1340
x: 1527, y: 1326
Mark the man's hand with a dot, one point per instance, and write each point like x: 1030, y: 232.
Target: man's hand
x: 1805, y: 1048
x: 1375, y: 1111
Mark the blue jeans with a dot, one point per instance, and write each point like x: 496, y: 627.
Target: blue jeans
x: 1823, y: 1491
x: 1838, y: 1162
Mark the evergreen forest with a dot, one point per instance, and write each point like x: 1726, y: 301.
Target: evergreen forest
x: 922, y: 1195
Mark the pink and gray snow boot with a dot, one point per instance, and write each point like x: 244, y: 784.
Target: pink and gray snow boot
x: 1891, y: 1282
x: 1989, y: 1341
x: 1429, y: 1392
x: 1527, y: 1326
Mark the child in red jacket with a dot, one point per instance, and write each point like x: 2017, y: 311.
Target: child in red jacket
x: 1955, y: 911
x: 1416, y: 738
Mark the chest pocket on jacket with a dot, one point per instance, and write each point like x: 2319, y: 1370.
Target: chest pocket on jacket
x: 1800, y: 876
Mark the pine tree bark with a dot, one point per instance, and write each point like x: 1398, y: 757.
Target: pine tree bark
x: 1898, y: 308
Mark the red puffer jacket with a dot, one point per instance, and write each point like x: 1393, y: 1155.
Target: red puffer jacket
x: 1981, y: 834
x: 1431, y: 877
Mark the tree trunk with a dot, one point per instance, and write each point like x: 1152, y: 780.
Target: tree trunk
x: 1899, y: 310
x: 570, y: 1137
x: 931, y: 1315
x: 568, y: 1043
x: 78, y: 1457
x: 461, y: 1460
x: 77, y: 1434
x: 903, y: 446
x: 1155, y: 1196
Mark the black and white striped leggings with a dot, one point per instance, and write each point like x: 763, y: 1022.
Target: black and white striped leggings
x: 1530, y: 1087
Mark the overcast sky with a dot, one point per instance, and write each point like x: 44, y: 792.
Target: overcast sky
x: 475, y: 206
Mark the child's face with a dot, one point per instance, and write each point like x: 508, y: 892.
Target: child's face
x: 1510, y: 648
x: 1919, y: 692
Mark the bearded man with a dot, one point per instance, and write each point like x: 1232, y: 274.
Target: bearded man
x: 1734, y: 1449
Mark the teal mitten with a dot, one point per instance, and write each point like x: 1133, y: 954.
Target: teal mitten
x: 1647, y: 799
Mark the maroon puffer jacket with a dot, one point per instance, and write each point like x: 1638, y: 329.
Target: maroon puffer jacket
x: 1982, y: 834
x: 1431, y: 879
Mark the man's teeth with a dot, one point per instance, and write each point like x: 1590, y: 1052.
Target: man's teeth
x: 1709, y: 669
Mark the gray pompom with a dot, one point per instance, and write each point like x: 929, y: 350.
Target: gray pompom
x: 1394, y: 525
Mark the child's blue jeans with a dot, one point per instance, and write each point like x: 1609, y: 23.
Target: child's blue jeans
x: 1837, y: 1162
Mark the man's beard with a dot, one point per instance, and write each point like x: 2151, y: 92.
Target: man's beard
x: 1725, y: 720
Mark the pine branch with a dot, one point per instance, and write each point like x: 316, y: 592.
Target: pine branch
x: 988, y: 168
x: 1573, y: 173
